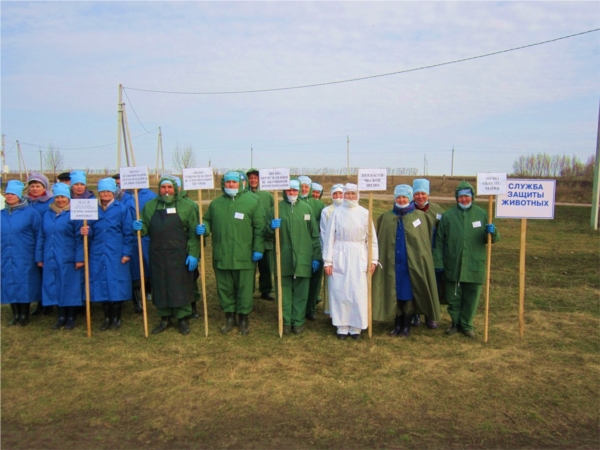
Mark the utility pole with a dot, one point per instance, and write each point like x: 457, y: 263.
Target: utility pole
x: 596, y: 191
x: 159, y: 155
x: 348, y: 155
x: 3, y: 157
x: 452, y: 168
x: 41, y: 168
x: 251, y: 156
x: 425, y: 165
x: 119, y: 125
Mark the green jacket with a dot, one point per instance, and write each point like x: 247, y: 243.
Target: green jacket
x: 186, y: 212
x: 268, y: 204
x: 237, y: 226
x: 420, y: 266
x: 461, y: 239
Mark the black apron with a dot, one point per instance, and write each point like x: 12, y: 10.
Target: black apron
x: 172, y: 282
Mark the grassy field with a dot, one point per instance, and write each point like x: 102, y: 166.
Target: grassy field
x: 119, y: 390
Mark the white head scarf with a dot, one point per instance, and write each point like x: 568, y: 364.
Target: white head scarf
x: 350, y: 187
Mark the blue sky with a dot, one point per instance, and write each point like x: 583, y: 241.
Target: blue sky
x: 62, y: 63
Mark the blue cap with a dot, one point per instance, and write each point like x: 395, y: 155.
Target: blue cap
x: 177, y: 180
x: 61, y: 189
x: 295, y: 184
x: 465, y: 192
x: 15, y: 187
x: 317, y: 187
x: 232, y: 176
x: 78, y: 176
x: 403, y: 190
x: 107, y: 184
x: 167, y: 179
x: 421, y: 185
x: 304, y: 180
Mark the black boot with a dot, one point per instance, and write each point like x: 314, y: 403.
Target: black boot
x: 71, y: 314
x: 416, y: 320
x: 405, y: 320
x: 23, y: 314
x: 243, y: 324
x: 397, y: 327
x: 165, y: 322
x: 184, y: 328
x: 229, y: 322
x: 15, y: 310
x: 106, y: 307
x: 38, y: 309
x: 48, y: 310
x: 137, y: 300
x: 62, y: 319
x: 116, y: 315
x: 195, y: 314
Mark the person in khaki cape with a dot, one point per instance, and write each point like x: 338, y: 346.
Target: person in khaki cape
x: 406, y: 279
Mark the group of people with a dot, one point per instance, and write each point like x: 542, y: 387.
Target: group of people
x: 420, y: 255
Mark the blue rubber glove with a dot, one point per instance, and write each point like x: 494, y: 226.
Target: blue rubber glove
x: 191, y: 263
x: 490, y: 228
x: 256, y: 256
x: 439, y: 271
x: 137, y: 225
x: 200, y: 230
x: 275, y: 223
x: 315, y: 265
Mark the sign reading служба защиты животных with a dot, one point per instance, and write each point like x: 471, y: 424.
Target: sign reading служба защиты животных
x: 527, y: 199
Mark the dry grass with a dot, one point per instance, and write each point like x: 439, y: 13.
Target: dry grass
x: 118, y: 390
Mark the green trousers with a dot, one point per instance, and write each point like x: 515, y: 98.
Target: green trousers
x: 265, y: 279
x: 316, y: 280
x: 295, y: 296
x: 463, y: 299
x: 178, y: 313
x: 234, y: 289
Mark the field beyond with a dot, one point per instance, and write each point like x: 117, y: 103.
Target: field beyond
x: 118, y: 390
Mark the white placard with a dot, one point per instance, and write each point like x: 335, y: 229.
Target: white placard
x: 134, y: 177
x: 199, y: 178
x: 84, y: 209
x: 491, y: 183
x: 372, y: 179
x: 274, y: 179
x: 527, y: 199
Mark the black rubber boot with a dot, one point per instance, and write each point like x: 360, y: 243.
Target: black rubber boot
x: 106, y: 307
x: 71, y: 315
x: 243, y: 324
x: 48, y: 310
x: 397, y: 327
x: 23, y: 314
x: 62, y: 319
x: 137, y: 300
x: 38, y: 309
x: 195, y: 314
x: 165, y: 322
x: 116, y: 315
x: 15, y: 310
x: 405, y: 320
x: 416, y: 320
x: 184, y: 328
x: 229, y: 322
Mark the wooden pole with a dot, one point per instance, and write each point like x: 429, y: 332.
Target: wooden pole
x: 488, y: 271
x: 119, y: 125
x: 86, y: 268
x: 522, y: 279
x: 141, y: 256
x: 369, y: 259
x: 278, y: 262
x: 203, y: 268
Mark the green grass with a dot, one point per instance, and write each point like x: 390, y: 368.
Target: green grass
x: 119, y: 390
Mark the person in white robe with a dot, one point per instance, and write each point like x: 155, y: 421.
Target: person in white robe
x: 337, y: 196
x: 345, y: 254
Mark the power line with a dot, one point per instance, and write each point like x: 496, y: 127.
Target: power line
x: 367, y: 77
x: 87, y: 148
x: 134, y: 113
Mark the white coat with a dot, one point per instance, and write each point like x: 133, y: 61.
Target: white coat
x: 345, y: 249
x: 325, y: 218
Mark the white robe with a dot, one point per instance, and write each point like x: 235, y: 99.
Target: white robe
x: 345, y: 248
x: 325, y: 217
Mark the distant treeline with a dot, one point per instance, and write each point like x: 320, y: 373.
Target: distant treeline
x: 543, y: 165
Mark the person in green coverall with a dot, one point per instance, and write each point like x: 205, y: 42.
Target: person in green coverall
x: 307, y: 194
x: 237, y: 223
x: 265, y: 279
x: 433, y: 213
x: 406, y: 279
x: 300, y: 256
x: 174, y: 252
x: 460, y: 254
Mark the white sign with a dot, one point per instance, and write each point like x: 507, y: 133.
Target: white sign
x: 84, y: 209
x: 491, y: 183
x: 274, y: 179
x: 200, y: 178
x: 372, y: 179
x: 134, y: 177
x: 527, y: 199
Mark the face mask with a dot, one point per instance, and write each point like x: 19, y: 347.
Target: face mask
x: 338, y: 201
x: 422, y: 205
x: 465, y: 206
x: 292, y: 198
x: 397, y: 205
x: 167, y: 198
x: 231, y: 192
x: 351, y: 203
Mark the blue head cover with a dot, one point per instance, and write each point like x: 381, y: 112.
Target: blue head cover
x: 295, y: 184
x: 403, y: 190
x: 107, y: 184
x: 61, y: 189
x: 421, y: 185
x: 465, y: 192
x: 337, y: 188
x: 15, y: 187
x: 78, y: 176
x: 177, y: 181
x: 232, y: 176
x: 304, y: 180
x: 317, y: 187
x: 167, y: 179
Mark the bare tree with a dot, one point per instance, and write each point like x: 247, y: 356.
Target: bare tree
x: 53, y: 160
x: 183, y: 158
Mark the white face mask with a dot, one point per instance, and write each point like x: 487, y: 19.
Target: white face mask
x: 292, y: 198
x: 398, y: 205
x: 465, y: 206
x: 338, y: 201
x: 351, y: 203
x: 231, y: 192
x: 421, y: 205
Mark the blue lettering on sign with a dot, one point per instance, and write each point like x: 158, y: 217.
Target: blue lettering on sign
x: 506, y: 202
